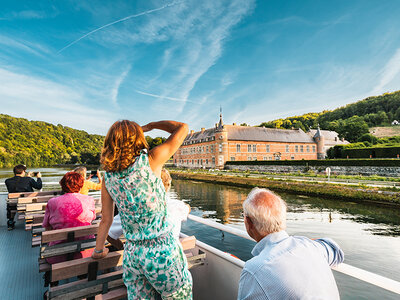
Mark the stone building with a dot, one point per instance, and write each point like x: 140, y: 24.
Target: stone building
x: 211, y: 148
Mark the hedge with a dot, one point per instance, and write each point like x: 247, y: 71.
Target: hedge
x: 324, y: 162
x: 378, y: 152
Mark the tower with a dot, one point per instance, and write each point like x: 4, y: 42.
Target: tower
x: 320, y: 140
x: 221, y: 143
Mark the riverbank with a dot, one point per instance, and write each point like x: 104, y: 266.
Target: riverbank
x: 333, y: 191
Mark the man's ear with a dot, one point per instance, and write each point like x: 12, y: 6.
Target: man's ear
x: 249, y: 222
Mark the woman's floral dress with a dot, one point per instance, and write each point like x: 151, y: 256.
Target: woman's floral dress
x: 154, y: 262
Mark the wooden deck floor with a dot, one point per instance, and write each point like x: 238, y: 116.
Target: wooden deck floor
x: 19, y: 273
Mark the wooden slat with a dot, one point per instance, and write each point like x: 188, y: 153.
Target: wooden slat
x: 34, y: 207
x: 39, y: 199
x: 65, y: 248
x: 36, y: 241
x: 62, y: 234
x: 33, y: 194
x: 84, y: 288
x: 78, y: 267
x: 188, y: 242
x: 117, y: 294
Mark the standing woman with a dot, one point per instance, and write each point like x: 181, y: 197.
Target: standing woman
x: 154, y: 263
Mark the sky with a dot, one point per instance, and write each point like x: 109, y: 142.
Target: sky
x: 86, y: 64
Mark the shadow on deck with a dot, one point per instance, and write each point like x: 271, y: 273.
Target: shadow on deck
x: 19, y: 269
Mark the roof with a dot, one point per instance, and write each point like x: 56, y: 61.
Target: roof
x: 330, y: 136
x: 206, y: 135
x: 247, y: 133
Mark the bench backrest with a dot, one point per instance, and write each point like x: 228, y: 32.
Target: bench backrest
x: 33, y: 194
x: 63, y: 234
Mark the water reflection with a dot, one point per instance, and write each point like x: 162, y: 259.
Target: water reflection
x: 224, y: 204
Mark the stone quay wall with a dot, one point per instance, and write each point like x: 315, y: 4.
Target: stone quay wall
x: 335, y: 170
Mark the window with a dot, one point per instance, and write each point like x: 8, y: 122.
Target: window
x: 308, y: 148
x: 296, y: 148
x: 207, y: 149
x: 206, y: 161
x: 267, y: 148
x: 220, y: 147
x: 292, y: 158
x: 232, y: 158
x: 254, y: 148
x: 313, y: 148
x: 213, y: 160
x: 248, y: 148
x: 287, y: 148
x: 254, y: 157
x: 301, y: 148
x: 248, y: 157
x: 265, y: 158
x: 238, y: 148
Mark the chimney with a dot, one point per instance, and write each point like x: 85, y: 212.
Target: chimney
x: 202, y: 129
x: 191, y: 131
x: 234, y: 124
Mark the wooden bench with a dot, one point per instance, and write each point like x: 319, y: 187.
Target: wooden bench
x: 13, y: 197
x: 106, y: 286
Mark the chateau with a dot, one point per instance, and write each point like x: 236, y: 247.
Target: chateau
x: 211, y: 148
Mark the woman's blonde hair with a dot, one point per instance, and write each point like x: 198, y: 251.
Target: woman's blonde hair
x: 123, y: 142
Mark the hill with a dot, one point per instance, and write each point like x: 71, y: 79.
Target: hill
x: 37, y: 143
x: 351, y: 121
x: 385, y: 131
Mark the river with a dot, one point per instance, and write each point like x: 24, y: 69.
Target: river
x: 368, y: 234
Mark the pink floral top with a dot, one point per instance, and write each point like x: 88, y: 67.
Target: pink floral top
x: 69, y: 210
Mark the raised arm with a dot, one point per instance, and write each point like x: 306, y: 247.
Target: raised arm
x: 107, y: 213
x: 334, y: 255
x: 159, y: 155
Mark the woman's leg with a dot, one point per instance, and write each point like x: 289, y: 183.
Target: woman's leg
x: 166, y: 269
x: 135, y: 281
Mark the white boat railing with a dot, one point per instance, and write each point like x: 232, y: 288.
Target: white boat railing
x: 372, y: 278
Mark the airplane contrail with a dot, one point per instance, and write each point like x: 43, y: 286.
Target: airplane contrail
x: 165, y: 97
x: 118, y: 21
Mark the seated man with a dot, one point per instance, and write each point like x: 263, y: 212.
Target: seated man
x: 18, y: 184
x: 283, y: 266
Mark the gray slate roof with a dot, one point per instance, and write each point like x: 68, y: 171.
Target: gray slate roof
x: 329, y: 136
x: 248, y: 133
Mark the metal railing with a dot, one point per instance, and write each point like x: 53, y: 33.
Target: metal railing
x: 372, y: 278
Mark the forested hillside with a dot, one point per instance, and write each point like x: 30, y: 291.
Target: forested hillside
x: 351, y: 121
x: 37, y: 143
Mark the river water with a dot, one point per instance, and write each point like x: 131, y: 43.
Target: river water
x: 369, y: 235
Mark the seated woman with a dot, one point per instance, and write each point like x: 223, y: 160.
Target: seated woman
x: 88, y: 185
x: 69, y: 210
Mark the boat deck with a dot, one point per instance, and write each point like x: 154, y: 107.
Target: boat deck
x: 19, y: 270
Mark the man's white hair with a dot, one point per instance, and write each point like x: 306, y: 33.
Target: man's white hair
x: 266, y: 210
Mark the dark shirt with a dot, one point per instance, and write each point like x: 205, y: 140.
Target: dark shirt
x: 19, y: 184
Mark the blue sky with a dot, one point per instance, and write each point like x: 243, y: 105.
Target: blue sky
x: 181, y: 60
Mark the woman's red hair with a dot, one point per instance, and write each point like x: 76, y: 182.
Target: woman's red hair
x: 124, y: 141
x: 71, y: 182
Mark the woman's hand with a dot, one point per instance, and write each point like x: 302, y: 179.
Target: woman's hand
x: 147, y: 127
x: 100, y: 255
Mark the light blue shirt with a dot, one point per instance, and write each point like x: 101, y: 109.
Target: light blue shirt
x: 290, y: 267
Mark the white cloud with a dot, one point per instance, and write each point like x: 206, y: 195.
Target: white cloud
x: 388, y: 73
x: 26, y: 46
x: 117, y: 84
x: 36, y: 98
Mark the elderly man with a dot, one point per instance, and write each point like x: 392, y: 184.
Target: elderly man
x: 283, y: 266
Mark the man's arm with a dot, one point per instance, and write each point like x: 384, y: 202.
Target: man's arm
x: 250, y: 288
x: 334, y: 255
x: 37, y: 184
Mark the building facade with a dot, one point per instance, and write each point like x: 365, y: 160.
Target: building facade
x: 211, y: 148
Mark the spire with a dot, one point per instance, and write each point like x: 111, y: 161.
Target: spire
x: 221, y: 123
x: 318, y: 133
